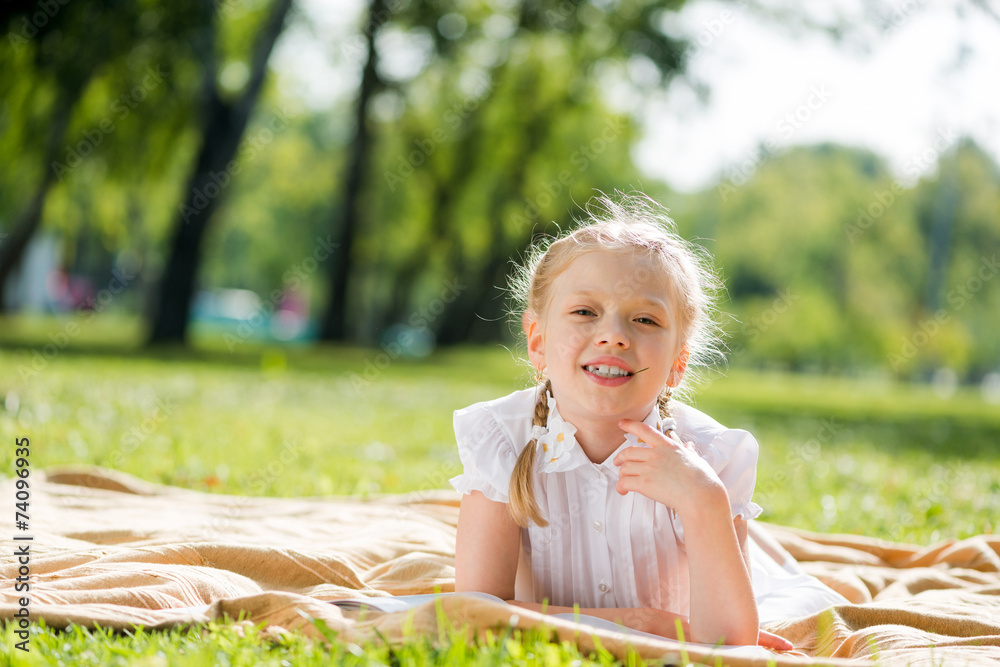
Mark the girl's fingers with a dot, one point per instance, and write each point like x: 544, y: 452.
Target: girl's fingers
x: 644, y: 432
x: 630, y: 469
x: 636, y: 428
x: 628, y: 483
x: 640, y: 454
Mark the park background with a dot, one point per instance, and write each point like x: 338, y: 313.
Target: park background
x: 261, y: 247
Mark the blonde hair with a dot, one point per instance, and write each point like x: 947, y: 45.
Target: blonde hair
x: 631, y: 223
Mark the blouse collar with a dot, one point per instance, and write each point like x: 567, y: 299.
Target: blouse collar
x: 558, y: 450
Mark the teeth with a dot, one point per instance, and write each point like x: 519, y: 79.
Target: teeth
x: 607, y: 371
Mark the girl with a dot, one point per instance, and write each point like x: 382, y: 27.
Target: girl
x: 597, y: 487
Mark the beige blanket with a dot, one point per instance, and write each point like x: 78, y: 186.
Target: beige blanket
x: 112, y: 550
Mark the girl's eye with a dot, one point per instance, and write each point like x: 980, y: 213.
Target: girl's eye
x: 582, y: 311
x: 645, y: 320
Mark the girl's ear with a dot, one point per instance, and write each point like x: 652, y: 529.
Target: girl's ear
x: 536, y: 344
x: 680, y: 365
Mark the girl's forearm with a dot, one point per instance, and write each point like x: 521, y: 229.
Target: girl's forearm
x: 723, y: 606
x: 644, y: 619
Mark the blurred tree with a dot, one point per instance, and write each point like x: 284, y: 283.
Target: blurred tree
x: 482, y: 126
x: 469, y: 54
x: 833, y: 264
x: 817, y: 246
x: 112, y: 171
x: 54, y: 48
x: 224, y: 120
x: 348, y: 214
x: 956, y: 212
x: 287, y: 184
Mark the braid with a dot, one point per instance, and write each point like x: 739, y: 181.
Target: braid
x: 522, y: 506
x: 663, y: 405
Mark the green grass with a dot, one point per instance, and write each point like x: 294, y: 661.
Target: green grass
x: 837, y: 454
x: 245, y: 645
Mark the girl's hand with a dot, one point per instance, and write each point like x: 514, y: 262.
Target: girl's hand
x: 768, y: 640
x: 668, y: 471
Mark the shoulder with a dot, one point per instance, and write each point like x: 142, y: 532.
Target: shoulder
x: 490, y: 437
x: 731, y: 452
x: 504, y: 420
x: 716, y: 443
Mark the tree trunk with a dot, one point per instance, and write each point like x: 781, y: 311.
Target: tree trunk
x: 942, y: 221
x: 460, y: 319
x: 13, y: 246
x: 348, y: 216
x: 225, y: 125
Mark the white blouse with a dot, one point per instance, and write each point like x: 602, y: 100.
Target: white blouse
x: 600, y: 549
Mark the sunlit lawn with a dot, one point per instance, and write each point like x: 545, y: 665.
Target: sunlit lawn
x: 841, y: 455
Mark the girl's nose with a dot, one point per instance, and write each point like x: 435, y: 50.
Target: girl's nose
x: 613, y: 333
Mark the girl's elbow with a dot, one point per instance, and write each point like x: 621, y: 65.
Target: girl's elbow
x: 744, y: 636
x: 743, y: 633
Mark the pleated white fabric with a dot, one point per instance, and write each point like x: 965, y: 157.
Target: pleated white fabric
x: 600, y: 549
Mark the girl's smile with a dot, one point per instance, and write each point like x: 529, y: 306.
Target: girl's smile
x: 608, y: 371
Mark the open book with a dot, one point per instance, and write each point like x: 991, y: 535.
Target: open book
x: 402, y: 602
x: 407, y: 602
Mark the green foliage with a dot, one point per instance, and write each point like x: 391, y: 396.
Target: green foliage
x: 827, y: 260
x: 242, y: 644
x: 281, y: 191
x: 511, y: 116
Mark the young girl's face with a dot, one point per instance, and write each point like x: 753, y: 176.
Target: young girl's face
x: 609, y: 317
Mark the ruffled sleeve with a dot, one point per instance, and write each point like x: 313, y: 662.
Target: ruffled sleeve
x: 733, y: 455
x: 486, y: 452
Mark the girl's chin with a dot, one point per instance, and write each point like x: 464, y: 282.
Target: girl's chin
x: 611, y: 409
